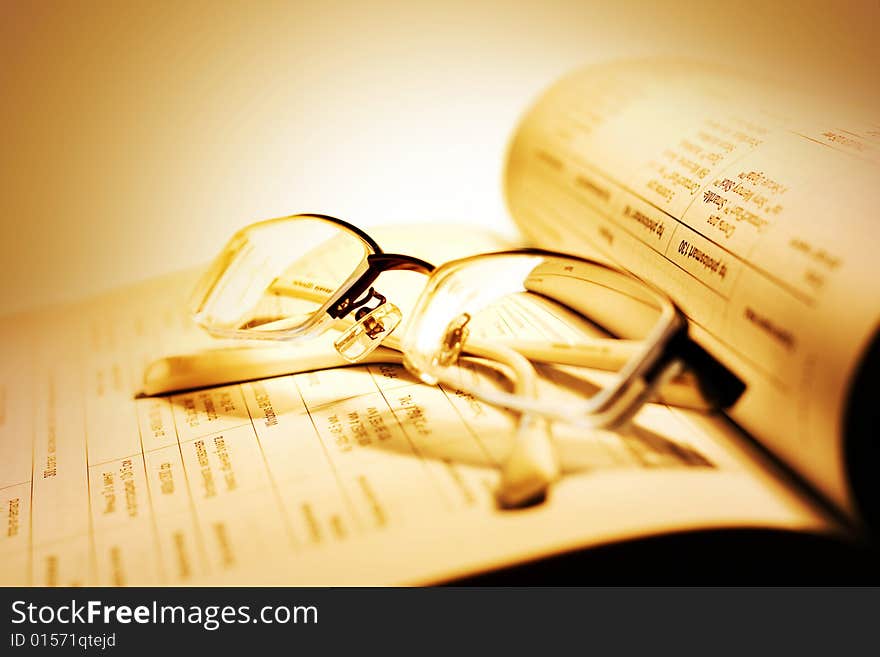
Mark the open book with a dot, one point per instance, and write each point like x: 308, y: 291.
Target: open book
x: 754, y: 209
x: 360, y: 475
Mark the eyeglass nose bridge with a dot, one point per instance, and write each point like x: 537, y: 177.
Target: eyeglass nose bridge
x: 362, y: 303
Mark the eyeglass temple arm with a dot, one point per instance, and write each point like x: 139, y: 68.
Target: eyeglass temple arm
x: 716, y: 384
x: 704, y: 384
x: 532, y: 465
x: 227, y: 365
x: 377, y: 263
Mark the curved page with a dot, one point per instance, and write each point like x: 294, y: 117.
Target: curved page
x: 753, y: 209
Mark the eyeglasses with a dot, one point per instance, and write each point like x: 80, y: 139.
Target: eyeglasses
x: 497, y: 326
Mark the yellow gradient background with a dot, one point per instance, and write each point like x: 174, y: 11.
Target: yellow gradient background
x: 137, y: 137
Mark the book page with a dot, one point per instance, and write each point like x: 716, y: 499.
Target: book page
x: 753, y: 210
x: 352, y: 475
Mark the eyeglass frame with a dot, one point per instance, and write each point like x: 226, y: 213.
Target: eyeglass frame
x: 668, y: 350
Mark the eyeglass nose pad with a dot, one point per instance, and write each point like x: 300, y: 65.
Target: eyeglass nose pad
x: 453, y: 340
x: 368, y: 332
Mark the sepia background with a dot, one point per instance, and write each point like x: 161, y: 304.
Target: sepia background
x: 136, y: 137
